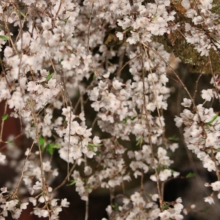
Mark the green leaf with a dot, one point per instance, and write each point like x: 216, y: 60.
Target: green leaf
x: 124, y: 121
x: 65, y: 19
x: 189, y: 175
x: 172, y: 171
x: 49, y: 76
x: 50, y: 148
x: 10, y: 142
x: 218, y: 150
x: 3, y: 37
x: 41, y: 142
x: 173, y: 138
x: 72, y: 182
x: 56, y: 146
x: 165, y: 206
x: 155, y: 16
x: 115, y: 207
x: 140, y: 140
x: 206, y: 210
x: 4, y: 117
x: 89, y: 189
x: 21, y: 5
x: 213, y: 119
x: 23, y: 15
x: 92, y: 146
x: 165, y: 167
x: 98, y: 153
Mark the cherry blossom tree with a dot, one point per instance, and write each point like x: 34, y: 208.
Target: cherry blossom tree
x: 88, y: 82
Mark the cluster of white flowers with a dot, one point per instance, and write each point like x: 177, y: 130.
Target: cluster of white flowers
x: 134, y: 207
x: 10, y: 204
x: 201, y: 132
x: 173, y: 213
x: 102, y: 53
x: 75, y: 138
x: 50, y: 206
x: 206, y: 38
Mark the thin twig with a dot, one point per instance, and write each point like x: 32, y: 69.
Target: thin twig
x: 150, y: 140
x: 66, y: 178
x: 177, y: 76
x: 22, y: 172
x: 3, y: 122
x: 89, y: 24
x: 87, y: 209
x: 119, y: 71
x: 16, y: 137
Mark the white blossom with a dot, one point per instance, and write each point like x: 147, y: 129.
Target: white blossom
x: 2, y: 158
x: 207, y: 94
x: 209, y: 200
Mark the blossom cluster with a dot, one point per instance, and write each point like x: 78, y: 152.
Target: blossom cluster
x: 201, y: 131
x: 58, y: 58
